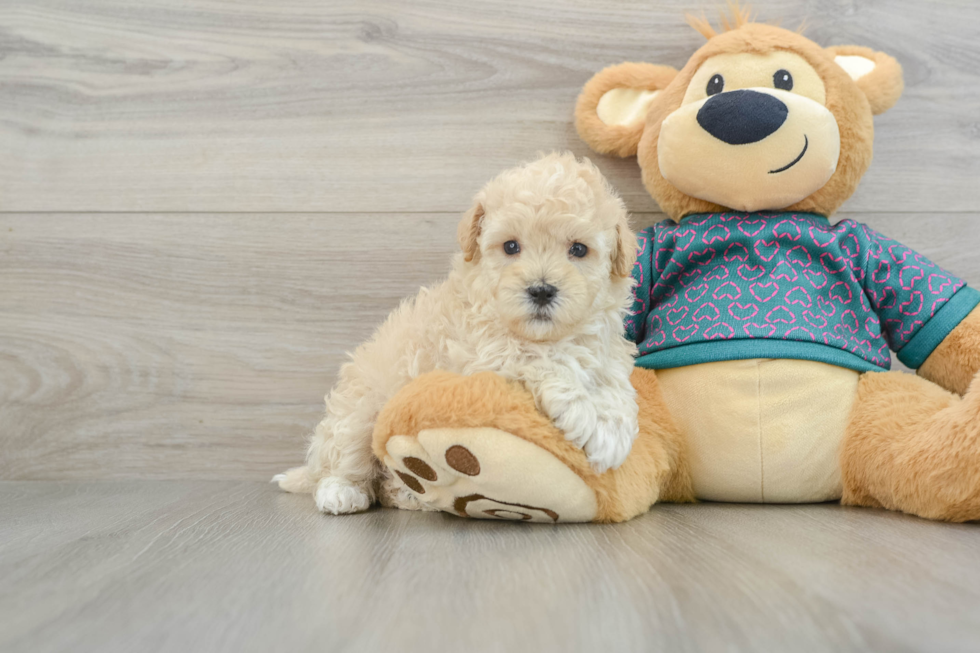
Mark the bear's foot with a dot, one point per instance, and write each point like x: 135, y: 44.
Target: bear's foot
x: 487, y: 473
x: 915, y: 447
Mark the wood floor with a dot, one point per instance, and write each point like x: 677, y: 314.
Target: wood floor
x: 204, y: 204
x: 236, y: 566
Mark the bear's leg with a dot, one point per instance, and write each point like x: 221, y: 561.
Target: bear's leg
x: 914, y: 447
x: 476, y: 446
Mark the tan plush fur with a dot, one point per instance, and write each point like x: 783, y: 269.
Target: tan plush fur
x: 655, y: 469
x: 956, y: 361
x: 620, y: 141
x: 914, y: 447
x: 852, y: 104
x: 844, y: 100
x: 660, y: 439
x: 883, y: 85
x: 740, y: 16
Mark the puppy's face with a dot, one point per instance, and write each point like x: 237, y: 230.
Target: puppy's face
x: 546, y: 255
x: 546, y: 269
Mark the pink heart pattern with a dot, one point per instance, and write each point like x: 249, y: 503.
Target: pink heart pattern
x: 785, y: 276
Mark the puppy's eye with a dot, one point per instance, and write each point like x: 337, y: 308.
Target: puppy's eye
x: 783, y: 80
x: 715, y: 85
x: 578, y: 250
x: 512, y: 247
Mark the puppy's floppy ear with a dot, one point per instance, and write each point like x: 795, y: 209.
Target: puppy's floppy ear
x: 611, y: 207
x: 611, y: 111
x: 878, y: 75
x: 469, y: 230
x: 624, y: 253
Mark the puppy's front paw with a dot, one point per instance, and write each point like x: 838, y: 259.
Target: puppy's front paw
x: 338, y: 496
x: 610, y: 444
x: 577, y: 421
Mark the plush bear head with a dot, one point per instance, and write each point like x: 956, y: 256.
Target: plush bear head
x: 760, y: 118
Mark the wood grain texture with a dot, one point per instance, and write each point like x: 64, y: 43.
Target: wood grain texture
x: 203, y: 204
x: 200, y: 346
x: 237, y: 566
x: 306, y: 105
x: 189, y: 345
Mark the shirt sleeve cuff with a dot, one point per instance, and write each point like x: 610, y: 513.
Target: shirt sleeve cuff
x: 933, y: 332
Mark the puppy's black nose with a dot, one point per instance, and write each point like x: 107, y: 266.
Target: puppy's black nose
x: 542, y: 294
x: 742, y: 117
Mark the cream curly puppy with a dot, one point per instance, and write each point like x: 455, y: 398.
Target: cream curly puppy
x: 538, y: 294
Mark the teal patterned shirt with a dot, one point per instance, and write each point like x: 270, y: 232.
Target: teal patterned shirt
x: 729, y: 286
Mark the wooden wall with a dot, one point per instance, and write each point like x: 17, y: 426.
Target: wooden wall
x: 204, y: 204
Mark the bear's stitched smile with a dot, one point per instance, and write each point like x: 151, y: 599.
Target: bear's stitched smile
x: 806, y: 144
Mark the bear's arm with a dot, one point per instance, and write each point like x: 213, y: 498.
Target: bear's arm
x: 921, y: 308
x: 956, y: 360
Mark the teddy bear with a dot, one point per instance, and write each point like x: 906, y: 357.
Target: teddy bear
x: 764, y: 330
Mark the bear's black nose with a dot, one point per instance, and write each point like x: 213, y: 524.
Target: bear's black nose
x: 742, y: 117
x: 542, y: 294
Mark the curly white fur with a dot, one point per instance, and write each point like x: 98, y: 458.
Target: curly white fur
x: 571, y: 354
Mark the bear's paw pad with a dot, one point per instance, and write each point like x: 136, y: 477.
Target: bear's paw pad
x: 487, y: 473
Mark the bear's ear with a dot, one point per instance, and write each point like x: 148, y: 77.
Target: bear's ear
x: 878, y: 75
x: 612, y: 108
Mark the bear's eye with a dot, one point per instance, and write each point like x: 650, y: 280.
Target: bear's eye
x: 512, y: 247
x: 578, y: 250
x: 783, y: 80
x: 715, y: 85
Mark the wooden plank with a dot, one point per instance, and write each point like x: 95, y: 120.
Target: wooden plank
x: 131, y: 337
x: 237, y: 566
x: 200, y: 346
x: 305, y: 105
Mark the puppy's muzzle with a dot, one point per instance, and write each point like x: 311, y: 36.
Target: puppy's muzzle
x: 542, y: 294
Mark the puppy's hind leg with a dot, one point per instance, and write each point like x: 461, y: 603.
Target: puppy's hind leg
x: 340, y: 468
x: 333, y: 494
x: 340, y: 459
